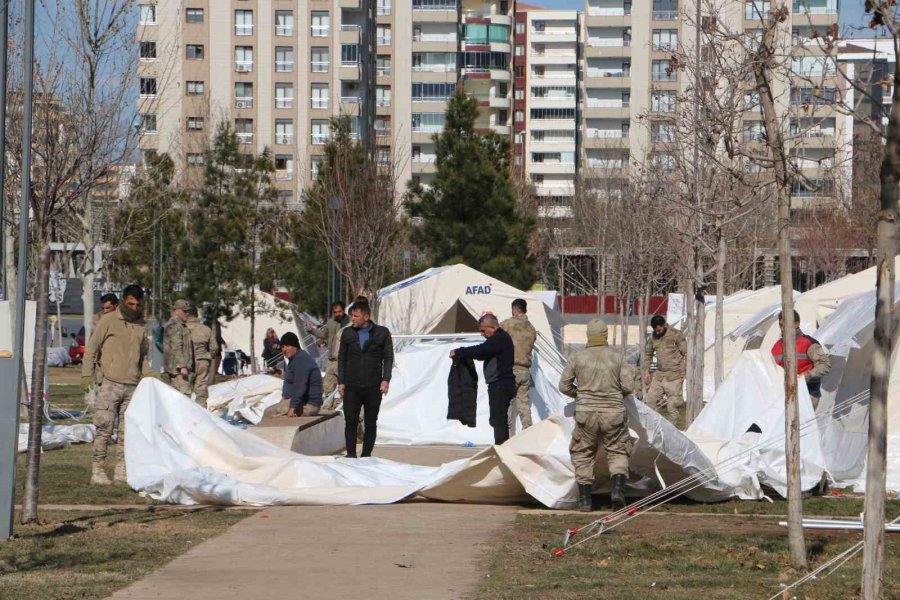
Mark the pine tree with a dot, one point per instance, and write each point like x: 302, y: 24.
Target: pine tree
x: 470, y: 214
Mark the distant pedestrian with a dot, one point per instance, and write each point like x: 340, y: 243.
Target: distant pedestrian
x: 329, y: 332
x: 498, y: 353
x: 118, y: 348
x: 670, y: 348
x: 178, y: 349
x: 204, y: 346
x: 523, y: 336
x: 302, y: 388
x: 272, y: 355
x: 108, y: 303
x: 216, y: 329
x: 365, y: 363
x: 813, y: 362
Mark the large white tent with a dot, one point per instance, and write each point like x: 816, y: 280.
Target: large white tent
x: 451, y: 299
x: 8, y: 334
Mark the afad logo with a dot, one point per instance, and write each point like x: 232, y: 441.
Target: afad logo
x: 478, y: 290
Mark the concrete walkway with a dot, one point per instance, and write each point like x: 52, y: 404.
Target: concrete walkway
x: 396, y: 552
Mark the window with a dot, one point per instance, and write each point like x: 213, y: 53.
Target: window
x: 552, y: 113
x: 243, y: 94
x: 349, y: 55
x: 383, y: 35
x: 427, y: 122
x: 383, y: 8
x: 665, y: 39
x: 319, y: 62
x: 194, y: 52
x: 148, y: 86
x: 382, y: 95
x: 520, y: 50
x: 284, y: 22
x: 383, y: 65
x: 561, y: 92
x: 520, y: 116
x: 438, y: 62
x: 520, y: 27
x: 284, y: 167
x: 285, y: 197
x: 148, y: 51
x: 195, y: 88
x: 382, y: 126
x: 320, y: 23
x: 193, y: 15
x: 147, y: 14
x: 319, y: 136
x: 194, y: 159
x: 480, y: 33
x: 319, y: 95
x: 662, y: 101
x: 483, y: 61
x: 284, y: 95
x: 315, y: 165
x: 243, y: 59
x: 195, y: 123
x: 284, y: 131
x: 243, y: 22
x: 244, y: 130
x: 813, y: 96
x: 284, y: 59
x: 662, y: 131
x: 519, y: 94
x: 432, y: 92
x: 665, y: 10
x: 662, y: 70
x: 148, y: 123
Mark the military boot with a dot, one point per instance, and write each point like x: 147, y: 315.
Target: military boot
x: 120, y: 476
x: 98, y: 475
x: 618, y: 492
x: 585, y: 503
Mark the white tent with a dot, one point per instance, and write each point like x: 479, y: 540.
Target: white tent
x: 451, y: 299
x: 8, y: 335
x: 270, y: 312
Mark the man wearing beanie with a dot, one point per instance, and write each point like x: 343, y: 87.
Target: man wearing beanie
x: 302, y: 380
x: 599, y: 380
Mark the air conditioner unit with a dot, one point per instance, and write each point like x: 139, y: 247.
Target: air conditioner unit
x: 243, y: 104
x: 243, y: 68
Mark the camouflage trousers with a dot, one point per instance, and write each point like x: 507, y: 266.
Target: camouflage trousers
x: 111, y: 404
x: 607, y: 429
x: 329, y: 382
x: 671, y: 389
x: 201, y: 381
x: 520, y: 405
x: 182, y: 383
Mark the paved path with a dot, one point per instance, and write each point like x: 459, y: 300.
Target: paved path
x: 396, y: 552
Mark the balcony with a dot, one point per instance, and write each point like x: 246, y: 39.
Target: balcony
x: 243, y: 66
x: 383, y: 40
x: 284, y: 139
x: 350, y: 33
x: 435, y: 68
x: 604, y: 103
x: 825, y: 8
x: 243, y: 102
x: 350, y: 99
x: 434, y: 5
x: 319, y: 103
x: 383, y: 102
x: 665, y: 15
x: 596, y: 11
x: 319, y: 66
x: 435, y: 37
x: 607, y: 163
x: 606, y: 134
x: 319, y: 139
x: 243, y: 30
x: 608, y: 42
x: 424, y: 158
x: 319, y: 30
x: 245, y: 137
x: 284, y: 103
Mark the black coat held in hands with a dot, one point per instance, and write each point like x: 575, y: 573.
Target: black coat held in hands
x: 462, y: 386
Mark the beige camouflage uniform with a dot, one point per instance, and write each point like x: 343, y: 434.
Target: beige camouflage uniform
x: 668, y: 380
x: 204, y: 347
x: 523, y: 336
x: 178, y: 352
x: 328, y: 332
x: 119, y: 348
x: 603, y: 380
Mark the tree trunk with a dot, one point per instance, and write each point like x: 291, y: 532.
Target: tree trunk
x: 721, y: 257
x: 695, y: 377
x: 626, y: 303
x: 89, y: 270
x: 36, y: 408
x: 876, y: 457
x: 254, y: 368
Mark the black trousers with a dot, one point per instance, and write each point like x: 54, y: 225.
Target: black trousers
x: 500, y: 394
x: 356, y: 398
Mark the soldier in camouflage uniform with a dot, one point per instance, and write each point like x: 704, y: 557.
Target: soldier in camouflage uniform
x: 329, y: 333
x: 670, y: 348
x: 178, y: 349
x: 523, y: 336
x: 118, y: 348
x: 205, y: 347
x: 599, y: 380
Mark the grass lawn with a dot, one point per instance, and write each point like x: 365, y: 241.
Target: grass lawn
x: 89, y: 555
x: 668, y: 556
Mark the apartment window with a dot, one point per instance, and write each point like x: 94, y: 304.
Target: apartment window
x: 320, y: 23
x: 285, y: 197
x: 193, y: 15
x: 382, y: 95
x: 244, y: 130
x: 284, y: 167
x: 382, y: 126
x: 662, y: 70
x: 315, y: 165
x: 319, y: 129
x: 319, y: 62
x: 665, y: 39
x: 284, y: 22
x: 561, y: 92
x: 194, y: 52
x: 519, y: 94
x: 284, y: 131
x: 195, y: 123
x: 440, y: 62
x: 662, y: 101
x: 665, y: 10
x: 148, y: 123
x: 427, y: 122
x: 520, y: 27
x: 147, y: 14
x: 519, y: 116
x: 541, y: 114
x: 349, y: 55
x: 194, y: 159
x: 284, y: 95
x: 319, y: 95
x: 243, y: 22
x: 195, y: 88
x: 520, y: 50
x: 383, y: 8
x: 243, y: 94
x: 432, y: 92
x: 148, y: 51
x: 148, y: 86
x: 383, y: 65
x: 662, y: 131
x: 284, y: 59
x: 383, y: 35
x: 243, y: 59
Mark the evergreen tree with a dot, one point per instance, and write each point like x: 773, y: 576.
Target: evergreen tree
x: 470, y: 214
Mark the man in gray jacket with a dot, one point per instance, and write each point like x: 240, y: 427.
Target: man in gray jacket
x: 302, y: 381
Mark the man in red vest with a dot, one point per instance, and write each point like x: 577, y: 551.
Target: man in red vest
x: 812, y: 362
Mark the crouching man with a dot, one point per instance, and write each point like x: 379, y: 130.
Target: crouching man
x: 302, y: 379
x: 598, y: 378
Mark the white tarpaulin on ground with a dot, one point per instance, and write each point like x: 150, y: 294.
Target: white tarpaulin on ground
x: 451, y: 299
x: 58, y: 436
x: 247, y: 397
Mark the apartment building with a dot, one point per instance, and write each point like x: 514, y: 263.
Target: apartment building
x: 280, y: 69
x: 545, y: 117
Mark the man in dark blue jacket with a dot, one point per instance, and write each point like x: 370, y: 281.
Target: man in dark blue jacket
x: 365, y: 362
x: 302, y: 379
x: 498, y: 353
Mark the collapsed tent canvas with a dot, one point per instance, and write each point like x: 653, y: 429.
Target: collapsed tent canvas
x: 246, y: 397
x: 58, y: 436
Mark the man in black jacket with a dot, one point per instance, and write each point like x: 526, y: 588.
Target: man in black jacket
x: 365, y: 362
x: 498, y: 353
